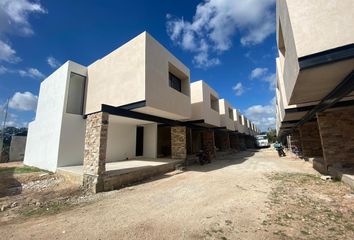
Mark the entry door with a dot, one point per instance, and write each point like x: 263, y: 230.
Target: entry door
x: 139, y: 141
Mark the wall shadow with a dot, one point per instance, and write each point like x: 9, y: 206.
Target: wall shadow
x: 223, y: 161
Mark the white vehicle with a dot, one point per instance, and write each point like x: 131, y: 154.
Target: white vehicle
x: 262, y: 141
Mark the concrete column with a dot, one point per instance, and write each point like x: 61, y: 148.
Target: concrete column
x: 179, y: 142
x: 310, y: 140
x: 209, y: 143
x: 337, y: 136
x: 95, y: 151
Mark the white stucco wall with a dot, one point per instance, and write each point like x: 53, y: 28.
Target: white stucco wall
x: 225, y: 120
x: 201, y: 107
x: 159, y: 95
x: 119, y: 77
x: 150, y: 140
x: 121, y: 142
x: 52, y: 127
x: 139, y: 71
x: 238, y: 121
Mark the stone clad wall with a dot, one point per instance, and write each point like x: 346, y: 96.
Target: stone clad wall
x: 311, y: 140
x: 95, y: 151
x: 222, y: 140
x: 209, y: 143
x: 179, y: 142
x: 235, y: 142
x: 337, y: 136
x: 242, y: 139
x: 295, y: 139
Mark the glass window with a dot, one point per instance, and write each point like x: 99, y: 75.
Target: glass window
x: 175, y: 82
x: 75, y: 100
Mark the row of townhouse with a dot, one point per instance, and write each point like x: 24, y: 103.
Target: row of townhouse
x: 137, y: 101
x: 315, y: 80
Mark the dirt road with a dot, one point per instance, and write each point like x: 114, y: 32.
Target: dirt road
x: 228, y: 199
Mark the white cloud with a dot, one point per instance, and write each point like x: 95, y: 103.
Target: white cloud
x: 32, y: 73
x: 7, y: 53
x: 272, y: 80
x: 14, y: 15
x: 264, y: 75
x: 262, y: 115
x: 53, y: 63
x: 258, y: 72
x: 239, y: 89
x: 23, y: 101
x: 3, y: 70
x: 216, y: 22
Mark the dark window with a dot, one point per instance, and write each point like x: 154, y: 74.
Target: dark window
x: 214, y: 103
x: 231, y: 115
x: 175, y: 82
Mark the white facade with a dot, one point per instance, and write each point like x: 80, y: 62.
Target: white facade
x: 205, y: 103
x: 226, y: 115
x: 139, y: 71
x: 56, y: 138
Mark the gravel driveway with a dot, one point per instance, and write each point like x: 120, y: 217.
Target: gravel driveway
x: 227, y: 199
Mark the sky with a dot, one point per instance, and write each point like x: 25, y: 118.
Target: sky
x: 230, y: 44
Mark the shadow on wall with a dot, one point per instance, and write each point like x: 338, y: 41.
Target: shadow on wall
x: 9, y: 185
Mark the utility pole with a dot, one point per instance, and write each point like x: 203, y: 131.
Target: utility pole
x: 3, y: 128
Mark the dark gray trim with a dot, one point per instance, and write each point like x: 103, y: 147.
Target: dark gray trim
x: 342, y: 90
x: 309, y: 108
x: 134, y: 105
x: 327, y: 57
x: 118, y: 111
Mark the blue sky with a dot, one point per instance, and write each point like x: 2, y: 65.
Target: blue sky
x: 228, y: 43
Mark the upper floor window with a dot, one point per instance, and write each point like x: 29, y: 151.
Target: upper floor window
x: 240, y: 118
x: 175, y: 82
x: 214, y: 103
x: 76, y: 91
x: 231, y: 114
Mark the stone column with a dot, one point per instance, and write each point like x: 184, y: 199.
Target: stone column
x: 178, y: 142
x: 209, y: 143
x: 235, y: 142
x: 242, y: 139
x: 295, y: 139
x: 337, y: 136
x: 310, y: 140
x: 95, y: 151
x: 223, y: 140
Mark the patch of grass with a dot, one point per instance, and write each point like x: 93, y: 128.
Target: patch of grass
x: 19, y: 170
x: 51, y: 209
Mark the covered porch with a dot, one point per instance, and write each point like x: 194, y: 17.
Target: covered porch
x: 122, y: 173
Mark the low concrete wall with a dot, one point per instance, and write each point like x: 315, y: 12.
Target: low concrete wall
x: 17, y: 148
x: 115, y: 179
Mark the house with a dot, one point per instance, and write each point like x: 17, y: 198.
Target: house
x: 132, y: 111
x: 315, y: 79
